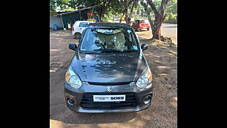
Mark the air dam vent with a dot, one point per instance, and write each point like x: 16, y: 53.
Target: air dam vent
x: 87, y: 102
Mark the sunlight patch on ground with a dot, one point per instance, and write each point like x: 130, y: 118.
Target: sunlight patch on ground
x: 157, y: 61
x: 113, y: 125
x: 147, y: 117
x: 139, y: 124
x: 54, y: 50
x: 163, y: 67
x: 175, y: 98
x: 55, y: 124
x: 52, y: 70
x: 60, y: 124
x: 173, y: 52
x: 174, y: 102
x: 163, y: 74
x: 132, y: 120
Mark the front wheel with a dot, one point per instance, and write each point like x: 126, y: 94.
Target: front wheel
x: 148, y: 29
x: 77, y: 35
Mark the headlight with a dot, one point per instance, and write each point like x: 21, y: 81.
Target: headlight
x: 72, y: 79
x: 145, y: 79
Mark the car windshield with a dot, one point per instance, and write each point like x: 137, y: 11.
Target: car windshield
x: 142, y: 21
x: 146, y: 21
x: 109, y: 40
x: 83, y: 24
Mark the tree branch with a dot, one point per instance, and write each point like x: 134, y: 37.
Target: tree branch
x: 148, y: 13
x: 153, y: 7
x: 163, y: 6
x: 122, y: 17
x: 134, y: 3
x: 130, y: 2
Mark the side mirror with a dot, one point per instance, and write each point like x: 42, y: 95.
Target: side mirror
x: 73, y: 46
x: 144, y: 47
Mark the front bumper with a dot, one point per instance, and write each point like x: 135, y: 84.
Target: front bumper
x: 78, y: 95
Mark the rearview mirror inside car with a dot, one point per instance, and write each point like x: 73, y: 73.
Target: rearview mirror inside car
x: 73, y: 46
x: 99, y: 44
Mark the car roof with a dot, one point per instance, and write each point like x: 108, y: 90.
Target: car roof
x: 108, y: 25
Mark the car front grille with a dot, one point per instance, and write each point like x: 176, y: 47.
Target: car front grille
x: 111, y: 83
x: 87, y: 101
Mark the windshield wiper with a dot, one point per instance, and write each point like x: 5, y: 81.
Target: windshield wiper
x: 114, y: 51
x: 110, y: 50
x: 131, y: 51
x: 107, y: 51
x: 90, y: 52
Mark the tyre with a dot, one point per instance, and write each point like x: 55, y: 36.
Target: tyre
x: 148, y: 29
x: 77, y: 35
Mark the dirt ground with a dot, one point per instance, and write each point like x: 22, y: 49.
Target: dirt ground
x: 161, y: 114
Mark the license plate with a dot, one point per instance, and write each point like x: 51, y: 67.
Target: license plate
x: 108, y: 98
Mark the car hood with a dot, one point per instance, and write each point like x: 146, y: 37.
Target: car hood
x: 109, y: 68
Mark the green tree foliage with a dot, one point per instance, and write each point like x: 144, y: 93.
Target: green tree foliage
x: 104, y: 8
x: 171, y: 12
x: 107, y: 8
x: 53, y: 5
x: 63, y: 5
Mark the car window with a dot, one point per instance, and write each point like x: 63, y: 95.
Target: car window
x: 83, y: 24
x: 142, y: 21
x: 146, y: 21
x: 109, y: 39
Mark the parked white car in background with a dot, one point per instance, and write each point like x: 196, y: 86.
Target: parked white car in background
x: 79, y: 27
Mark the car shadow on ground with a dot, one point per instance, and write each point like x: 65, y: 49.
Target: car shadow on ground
x: 145, y: 40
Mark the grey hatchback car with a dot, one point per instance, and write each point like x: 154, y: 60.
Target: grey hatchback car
x: 108, y: 72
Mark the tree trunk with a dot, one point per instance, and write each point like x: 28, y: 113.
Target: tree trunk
x: 134, y: 3
x: 156, y: 30
x: 100, y: 17
x: 126, y: 11
x: 126, y: 17
x: 100, y: 14
x: 102, y: 9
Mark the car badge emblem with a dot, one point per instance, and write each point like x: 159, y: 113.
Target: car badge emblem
x: 109, y: 88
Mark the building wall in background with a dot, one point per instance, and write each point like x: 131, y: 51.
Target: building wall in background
x: 56, y: 20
